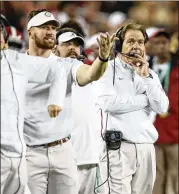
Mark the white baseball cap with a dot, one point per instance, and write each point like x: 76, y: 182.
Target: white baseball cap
x: 66, y: 36
x: 42, y: 18
x: 151, y: 31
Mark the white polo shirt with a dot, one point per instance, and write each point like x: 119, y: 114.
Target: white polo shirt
x: 38, y: 127
x: 16, y: 70
x: 129, y: 102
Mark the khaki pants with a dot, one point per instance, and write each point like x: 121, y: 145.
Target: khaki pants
x: 87, y: 178
x: 52, y: 170
x: 13, y: 176
x: 132, y: 169
x: 167, y: 169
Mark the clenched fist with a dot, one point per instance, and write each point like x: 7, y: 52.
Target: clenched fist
x: 54, y: 110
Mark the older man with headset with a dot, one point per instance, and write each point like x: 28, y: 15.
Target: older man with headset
x: 127, y: 92
x: 16, y: 70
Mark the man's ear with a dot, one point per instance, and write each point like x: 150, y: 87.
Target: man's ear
x: 54, y: 49
x: 30, y: 33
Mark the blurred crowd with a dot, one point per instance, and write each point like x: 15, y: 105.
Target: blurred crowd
x: 90, y: 18
x: 97, y: 16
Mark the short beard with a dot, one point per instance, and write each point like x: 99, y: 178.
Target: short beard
x: 42, y: 44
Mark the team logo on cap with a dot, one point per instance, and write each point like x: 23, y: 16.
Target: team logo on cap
x: 48, y: 14
x: 73, y: 35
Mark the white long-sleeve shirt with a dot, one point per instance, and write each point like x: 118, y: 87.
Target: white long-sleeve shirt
x: 38, y: 127
x: 14, y: 80
x: 86, y: 124
x: 129, y: 101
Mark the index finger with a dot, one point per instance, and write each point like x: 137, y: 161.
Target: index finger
x: 145, y: 57
x: 108, y: 37
x: 138, y: 56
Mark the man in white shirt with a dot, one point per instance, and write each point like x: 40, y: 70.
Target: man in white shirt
x: 16, y: 70
x: 50, y: 157
x: 70, y: 44
x: 127, y: 92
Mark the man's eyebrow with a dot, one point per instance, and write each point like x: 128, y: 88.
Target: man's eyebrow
x: 130, y: 39
x: 141, y: 40
x: 135, y: 39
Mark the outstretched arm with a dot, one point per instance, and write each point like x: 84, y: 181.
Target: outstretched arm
x: 85, y: 73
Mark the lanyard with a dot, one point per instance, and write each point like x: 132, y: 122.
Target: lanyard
x: 164, y: 79
x: 167, y: 77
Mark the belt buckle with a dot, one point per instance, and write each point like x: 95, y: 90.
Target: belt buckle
x: 61, y: 141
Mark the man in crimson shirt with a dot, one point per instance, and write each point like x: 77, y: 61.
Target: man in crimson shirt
x: 166, y: 65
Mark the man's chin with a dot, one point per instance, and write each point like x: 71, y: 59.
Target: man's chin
x: 49, y: 44
x: 73, y: 56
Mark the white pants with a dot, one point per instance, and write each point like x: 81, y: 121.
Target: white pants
x: 13, y: 176
x: 132, y: 169
x: 87, y: 178
x: 52, y: 170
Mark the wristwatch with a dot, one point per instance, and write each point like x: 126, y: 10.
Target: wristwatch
x: 103, y: 60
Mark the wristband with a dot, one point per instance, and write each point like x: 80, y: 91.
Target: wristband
x: 103, y: 60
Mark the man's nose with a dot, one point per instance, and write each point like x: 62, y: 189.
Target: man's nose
x: 72, y: 47
x: 49, y: 31
x: 136, y: 45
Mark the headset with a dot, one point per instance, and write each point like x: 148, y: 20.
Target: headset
x: 4, y: 22
x: 118, y: 43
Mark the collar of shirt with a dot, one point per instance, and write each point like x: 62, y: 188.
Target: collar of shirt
x: 50, y: 56
x: 123, y: 67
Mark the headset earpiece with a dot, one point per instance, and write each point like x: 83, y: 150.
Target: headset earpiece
x: 146, y: 37
x: 118, y: 43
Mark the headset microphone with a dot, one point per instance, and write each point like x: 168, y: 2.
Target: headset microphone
x: 81, y: 57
